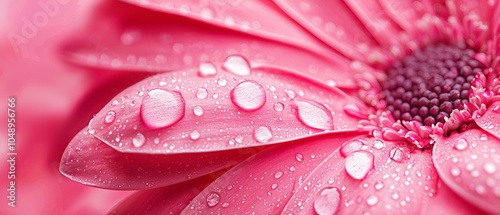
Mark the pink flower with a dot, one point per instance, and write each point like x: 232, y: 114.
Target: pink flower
x: 344, y: 107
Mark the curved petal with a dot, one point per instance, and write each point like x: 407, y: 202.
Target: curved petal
x: 165, y: 200
x: 211, y: 109
x: 490, y: 120
x: 341, y: 30
x: 448, y: 202
x: 265, y: 182
x: 376, y: 177
x: 133, y: 38
x: 89, y: 161
x: 469, y: 164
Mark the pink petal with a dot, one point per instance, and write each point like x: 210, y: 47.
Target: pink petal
x: 448, y: 202
x: 121, y: 40
x: 186, y: 111
x: 265, y: 182
x: 379, y: 178
x: 490, y: 120
x: 89, y: 161
x: 165, y: 200
x: 468, y: 163
x: 340, y: 29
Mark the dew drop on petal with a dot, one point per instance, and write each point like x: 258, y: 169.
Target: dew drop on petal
x: 237, y: 64
x: 490, y: 168
x: 313, y: 114
x: 262, y: 134
x: 379, y: 185
x: 110, y: 117
x: 213, y: 199
x: 222, y: 82
x: 350, y: 146
x: 327, y: 201
x: 455, y: 171
x: 198, y: 110
x: 372, y: 200
x: 201, y: 93
x: 396, y: 154
x: 461, y: 144
x: 299, y: 157
x: 207, y: 69
x: 358, y: 164
x: 278, y: 175
x: 248, y: 95
x: 194, y: 135
x: 278, y: 106
x: 91, y: 131
x: 378, y: 144
x: 138, y: 140
x: 162, y: 108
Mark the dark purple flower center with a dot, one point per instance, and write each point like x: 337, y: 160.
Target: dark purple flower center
x: 429, y: 84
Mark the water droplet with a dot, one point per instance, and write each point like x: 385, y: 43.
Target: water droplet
x: 278, y: 106
x: 313, y: 114
x: 290, y: 93
x: 327, y: 201
x: 194, y: 135
x: 396, y: 154
x: 358, y: 164
x: 379, y: 185
x: 213, y: 199
x: 248, y: 95
x: 262, y: 134
x: 455, y: 171
x: 350, y: 146
x: 138, y: 140
x: 299, y: 157
x: 222, y: 82
x: 201, y: 93
x: 372, y: 200
x: 490, y: 168
x: 156, y: 140
x: 483, y: 137
x: 378, y: 144
x: 278, y: 175
x: 206, y: 13
x: 162, y: 108
x: 239, y: 139
x: 237, y: 64
x: 198, y: 110
x: 274, y: 186
x: 207, y: 69
x: 130, y: 37
x: 110, y: 117
x: 461, y: 144
x: 91, y: 131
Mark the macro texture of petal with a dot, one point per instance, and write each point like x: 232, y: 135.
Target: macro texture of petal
x: 367, y: 176
x: 265, y: 182
x: 90, y: 161
x: 190, y: 111
x: 134, y: 38
x: 490, y: 120
x: 469, y: 164
x: 448, y: 202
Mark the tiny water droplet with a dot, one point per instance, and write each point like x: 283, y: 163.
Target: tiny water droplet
x: 262, y: 134
x: 290, y: 93
x: 213, y: 199
x: 396, y: 154
x: 198, y: 110
x: 455, y: 171
x: 206, y: 13
x: 327, y: 201
x: 162, y: 108
x: 378, y: 144
x: 239, y: 139
x: 350, y: 146
x: 194, y: 135
x: 225, y: 205
x: 201, y: 93
x: 278, y: 175
x: 358, y: 164
x: 237, y: 64
x: 299, y: 157
x: 91, y: 131
x: 130, y: 37
x: 274, y: 186
x: 278, y: 106
x: 110, y: 117
x: 379, y: 185
x: 372, y: 200
x: 483, y: 137
x: 207, y: 69
x: 222, y: 82
x: 490, y: 168
x: 461, y: 144
x: 138, y: 140
x: 248, y: 95
x: 313, y: 114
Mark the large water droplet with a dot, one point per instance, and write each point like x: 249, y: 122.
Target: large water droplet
x: 213, y: 199
x: 198, y: 110
x: 358, y: 164
x: 327, y: 201
x: 262, y: 134
x: 201, y: 93
x: 248, y: 95
x: 110, y: 117
x: 461, y: 144
x: 313, y: 114
x: 207, y: 69
x: 237, y: 64
x: 138, y: 140
x: 350, y: 146
x: 162, y: 108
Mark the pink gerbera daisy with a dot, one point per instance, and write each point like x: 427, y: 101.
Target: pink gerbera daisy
x: 295, y: 107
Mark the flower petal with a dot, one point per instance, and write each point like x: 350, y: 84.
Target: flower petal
x: 190, y: 111
x: 490, y: 120
x: 448, y: 202
x: 89, y: 161
x: 133, y: 38
x: 265, y: 182
x: 391, y: 180
x: 341, y: 30
x: 469, y: 164
x: 165, y: 200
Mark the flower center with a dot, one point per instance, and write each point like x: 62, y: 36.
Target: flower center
x: 428, y: 85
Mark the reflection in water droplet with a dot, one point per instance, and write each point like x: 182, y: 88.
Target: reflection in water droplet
x: 350, y: 146
x: 299, y: 157
x: 198, y: 110
x: 358, y: 164
x: 201, y: 93
x: 213, y: 199
x: 162, y: 108
x: 194, y: 135
x: 237, y: 64
x: 262, y: 134
x: 313, y: 114
x: 461, y: 144
x: 138, y: 140
x: 110, y: 117
x: 396, y: 154
x: 207, y: 69
x: 278, y: 106
x: 327, y: 201
x: 248, y: 95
